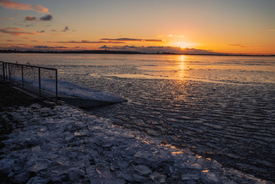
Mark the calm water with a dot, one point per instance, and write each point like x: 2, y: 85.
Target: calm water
x: 219, y: 107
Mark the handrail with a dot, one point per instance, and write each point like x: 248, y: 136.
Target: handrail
x: 7, y: 74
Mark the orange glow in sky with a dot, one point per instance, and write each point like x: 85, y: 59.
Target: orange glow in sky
x: 197, y: 26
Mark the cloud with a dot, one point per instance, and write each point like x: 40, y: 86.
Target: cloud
x: 53, y: 30
x: 238, y: 45
x: 35, y: 41
x: 271, y: 30
x: 20, y: 6
x: 60, y: 35
x: 27, y: 18
x: 5, y: 19
x: 46, y: 18
x: 132, y: 39
x: 14, y: 40
x: 49, y: 47
x: 16, y: 31
x: 179, y: 36
x: 157, y: 49
x: 84, y: 42
x: 40, y: 31
x: 65, y: 29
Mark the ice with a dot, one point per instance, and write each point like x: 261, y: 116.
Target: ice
x: 38, y: 166
x: 211, y: 176
x: 143, y: 154
x: 157, y: 178
x: 190, y: 176
x: 72, y: 89
x: 37, y: 180
x: 70, y: 152
x: 142, y: 169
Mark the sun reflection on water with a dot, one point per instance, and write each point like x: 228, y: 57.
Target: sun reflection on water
x: 181, y: 66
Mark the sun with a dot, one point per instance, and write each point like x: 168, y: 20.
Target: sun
x: 183, y: 44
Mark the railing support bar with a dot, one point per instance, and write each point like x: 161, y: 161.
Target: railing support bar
x: 56, y: 85
x: 4, y: 76
x: 22, y: 69
x: 39, y: 78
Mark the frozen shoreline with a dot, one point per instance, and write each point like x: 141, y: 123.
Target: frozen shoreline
x: 64, y: 144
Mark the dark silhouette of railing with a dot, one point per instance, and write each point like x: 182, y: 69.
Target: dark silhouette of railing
x: 19, y: 73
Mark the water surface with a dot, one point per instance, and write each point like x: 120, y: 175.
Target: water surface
x: 221, y: 107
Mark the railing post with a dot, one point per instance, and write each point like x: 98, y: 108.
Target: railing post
x: 39, y: 78
x: 22, y: 76
x: 4, y: 76
x: 56, y: 85
x: 9, y: 72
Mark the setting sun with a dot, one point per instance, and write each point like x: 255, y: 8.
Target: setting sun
x: 183, y: 44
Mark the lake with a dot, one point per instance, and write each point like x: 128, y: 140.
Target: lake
x: 222, y: 107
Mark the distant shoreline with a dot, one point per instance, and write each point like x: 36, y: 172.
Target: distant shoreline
x: 127, y: 52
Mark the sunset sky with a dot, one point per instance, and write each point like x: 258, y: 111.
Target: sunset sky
x: 204, y: 26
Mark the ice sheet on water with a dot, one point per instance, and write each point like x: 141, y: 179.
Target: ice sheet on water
x: 108, y: 154
x: 72, y: 89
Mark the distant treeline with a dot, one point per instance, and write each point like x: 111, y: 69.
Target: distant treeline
x: 120, y: 52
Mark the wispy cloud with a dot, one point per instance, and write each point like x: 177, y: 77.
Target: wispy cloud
x: 5, y: 19
x: 132, y: 39
x: 35, y: 41
x: 14, y: 40
x: 85, y: 42
x: 50, y: 47
x: 16, y: 31
x: 40, y: 31
x: 61, y: 35
x: 180, y: 36
x: 65, y: 29
x: 20, y: 6
x: 271, y: 30
x: 238, y: 45
x: 157, y: 49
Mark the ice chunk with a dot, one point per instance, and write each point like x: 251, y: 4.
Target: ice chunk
x: 139, y: 178
x: 69, y: 136
x: 36, y: 149
x: 190, y: 176
x: 211, y: 176
x: 104, y: 171
x: 142, y: 169
x: 143, y: 154
x: 6, y: 165
x: 157, y: 178
x: 37, y: 180
x: 38, y: 166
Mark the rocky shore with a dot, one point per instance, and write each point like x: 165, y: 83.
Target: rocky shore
x: 50, y: 143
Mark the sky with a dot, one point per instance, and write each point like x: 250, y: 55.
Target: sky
x: 179, y: 26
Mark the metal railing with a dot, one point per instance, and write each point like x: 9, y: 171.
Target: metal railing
x: 20, y: 74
